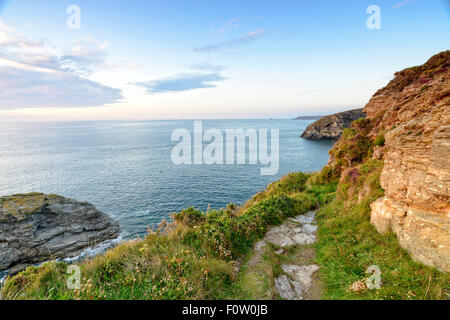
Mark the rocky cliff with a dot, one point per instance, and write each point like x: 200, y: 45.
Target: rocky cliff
x: 413, y: 112
x: 36, y: 227
x: 331, y: 127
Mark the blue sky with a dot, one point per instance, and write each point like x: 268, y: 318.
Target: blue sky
x: 207, y: 59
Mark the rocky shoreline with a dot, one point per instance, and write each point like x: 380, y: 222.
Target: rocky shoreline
x: 332, y: 126
x: 36, y: 227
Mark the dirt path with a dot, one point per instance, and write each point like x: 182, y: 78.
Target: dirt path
x: 282, y: 264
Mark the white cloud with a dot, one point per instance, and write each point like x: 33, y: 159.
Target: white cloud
x: 231, y: 24
x: 401, y: 4
x: 205, y: 75
x: 33, y: 89
x: 248, y: 37
x: 31, y: 76
x: 86, y: 57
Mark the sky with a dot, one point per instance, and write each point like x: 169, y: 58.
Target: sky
x: 198, y: 59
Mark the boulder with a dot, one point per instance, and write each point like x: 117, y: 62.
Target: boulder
x: 301, y: 274
x: 294, y: 231
x: 288, y: 289
x: 36, y: 227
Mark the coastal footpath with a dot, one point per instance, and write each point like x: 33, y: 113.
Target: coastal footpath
x: 381, y: 203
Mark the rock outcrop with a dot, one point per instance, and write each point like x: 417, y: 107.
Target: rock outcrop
x: 36, y: 227
x: 331, y: 127
x: 414, y: 112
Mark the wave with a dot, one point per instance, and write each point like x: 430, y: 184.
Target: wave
x: 87, y: 253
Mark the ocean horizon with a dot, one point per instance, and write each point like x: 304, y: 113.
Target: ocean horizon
x: 125, y: 169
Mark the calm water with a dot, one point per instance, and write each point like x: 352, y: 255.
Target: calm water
x: 125, y: 168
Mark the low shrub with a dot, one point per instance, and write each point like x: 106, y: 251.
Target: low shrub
x: 379, y: 140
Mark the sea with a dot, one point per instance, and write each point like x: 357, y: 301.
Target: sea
x: 126, y: 168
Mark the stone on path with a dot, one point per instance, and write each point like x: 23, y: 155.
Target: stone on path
x: 288, y: 289
x: 303, y: 239
x: 279, y: 236
x: 306, y: 218
x: 309, y: 228
x: 259, y: 245
x: 302, y: 274
x: 294, y: 231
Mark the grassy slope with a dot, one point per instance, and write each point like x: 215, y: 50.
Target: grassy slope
x: 192, y: 258
x: 349, y: 244
x: 195, y: 257
x: 255, y: 280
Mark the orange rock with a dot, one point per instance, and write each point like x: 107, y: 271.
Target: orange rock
x: 415, y: 107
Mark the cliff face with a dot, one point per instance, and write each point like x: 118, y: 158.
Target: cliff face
x: 36, y: 227
x: 331, y: 127
x: 413, y: 111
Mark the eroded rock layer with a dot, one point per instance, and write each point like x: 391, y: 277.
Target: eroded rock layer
x: 414, y: 111
x: 36, y: 227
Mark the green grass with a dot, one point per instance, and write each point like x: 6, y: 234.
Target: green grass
x: 379, y: 140
x: 195, y: 256
x: 348, y: 244
x: 158, y: 267
x: 255, y: 280
x: 191, y: 258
